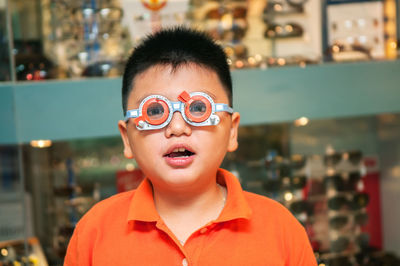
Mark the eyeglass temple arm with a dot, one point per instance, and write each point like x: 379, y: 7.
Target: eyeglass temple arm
x: 223, y: 107
x: 131, y: 114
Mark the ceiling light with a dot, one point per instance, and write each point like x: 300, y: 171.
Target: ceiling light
x: 41, y: 143
x: 301, y: 122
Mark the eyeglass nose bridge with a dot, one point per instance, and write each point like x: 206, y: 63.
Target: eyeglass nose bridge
x: 178, y: 107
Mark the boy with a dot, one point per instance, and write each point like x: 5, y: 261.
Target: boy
x: 179, y: 124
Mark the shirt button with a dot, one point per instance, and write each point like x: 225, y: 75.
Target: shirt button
x: 184, y: 262
x: 203, y: 230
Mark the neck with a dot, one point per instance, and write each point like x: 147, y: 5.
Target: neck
x: 189, y: 198
x: 184, y: 213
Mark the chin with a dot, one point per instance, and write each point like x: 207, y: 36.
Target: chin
x: 178, y: 178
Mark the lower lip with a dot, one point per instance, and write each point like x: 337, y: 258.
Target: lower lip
x: 179, y: 161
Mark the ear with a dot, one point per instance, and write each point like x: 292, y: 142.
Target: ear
x: 122, y: 126
x: 233, y: 143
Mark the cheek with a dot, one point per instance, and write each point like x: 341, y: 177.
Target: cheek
x: 215, y: 142
x: 142, y: 145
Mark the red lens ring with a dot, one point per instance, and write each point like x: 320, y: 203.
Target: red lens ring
x: 162, y: 119
x: 206, y: 114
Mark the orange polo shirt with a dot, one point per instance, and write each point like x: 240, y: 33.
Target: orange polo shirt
x: 251, y: 230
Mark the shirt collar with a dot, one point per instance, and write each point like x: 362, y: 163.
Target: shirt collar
x: 142, y: 206
x: 236, y: 205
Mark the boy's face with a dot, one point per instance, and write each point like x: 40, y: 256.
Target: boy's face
x: 153, y: 149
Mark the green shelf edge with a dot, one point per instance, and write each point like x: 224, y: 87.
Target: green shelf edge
x: 89, y: 108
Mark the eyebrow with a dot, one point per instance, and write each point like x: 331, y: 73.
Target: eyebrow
x: 142, y: 98
x: 147, y: 95
x: 212, y: 95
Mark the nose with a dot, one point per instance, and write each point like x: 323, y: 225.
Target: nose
x: 177, y: 126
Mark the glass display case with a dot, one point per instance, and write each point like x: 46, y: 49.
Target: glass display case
x: 92, y: 38
x: 335, y: 175
x: 339, y: 177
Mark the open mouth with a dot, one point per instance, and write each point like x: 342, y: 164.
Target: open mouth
x: 179, y: 153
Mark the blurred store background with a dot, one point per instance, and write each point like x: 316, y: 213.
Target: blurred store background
x: 316, y: 83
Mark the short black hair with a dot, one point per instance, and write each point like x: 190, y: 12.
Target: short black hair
x: 176, y: 47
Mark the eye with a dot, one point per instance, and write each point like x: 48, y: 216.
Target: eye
x: 155, y: 111
x: 197, y: 108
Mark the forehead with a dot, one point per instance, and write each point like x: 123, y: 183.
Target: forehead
x: 170, y: 82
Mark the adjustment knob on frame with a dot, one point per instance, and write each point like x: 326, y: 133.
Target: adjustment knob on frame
x: 214, y: 119
x: 141, y: 124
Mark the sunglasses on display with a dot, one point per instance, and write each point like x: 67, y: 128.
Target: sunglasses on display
x: 343, y: 182
x: 337, y: 261
x: 350, y: 51
x: 283, y: 7
x: 340, y: 244
x: 227, y: 24
x: 236, y: 33
x: 218, y: 13
x: 298, y: 182
x: 354, y: 202
x: 296, y: 2
x: 197, y: 109
x: 107, y: 13
x: 233, y: 34
x: 272, y: 185
x: 354, y: 157
x: 290, y: 60
x: 362, y: 240
x: 375, y: 257
x: 301, y: 206
x: 297, y: 161
x: 273, y: 162
x: 288, y: 30
x: 339, y: 221
x: 236, y: 51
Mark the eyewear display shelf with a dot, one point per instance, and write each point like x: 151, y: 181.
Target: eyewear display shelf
x: 328, y: 195
x: 60, y: 110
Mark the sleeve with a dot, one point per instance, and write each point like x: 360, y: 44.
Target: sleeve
x: 300, y: 250
x: 71, y: 258
x: 79, y: 251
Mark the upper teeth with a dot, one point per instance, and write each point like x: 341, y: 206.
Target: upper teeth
x: 179, y: 150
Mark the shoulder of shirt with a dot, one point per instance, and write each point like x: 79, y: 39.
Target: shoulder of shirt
x: 116, y: 203
x: 257, y: 199
x: 264, y: 206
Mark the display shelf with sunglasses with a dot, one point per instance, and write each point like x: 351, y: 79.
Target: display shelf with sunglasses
x: 226, y: 22
x: 85, y: 38
x: 326, y: 193
x: 71, y: 201
x: 346, y: 207
x: 292, y: 28
x: 286, y: 182
x: 281, y: 7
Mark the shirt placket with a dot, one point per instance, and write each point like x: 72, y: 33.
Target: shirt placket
x: 185, y: 256
x: 195, y: 243
x: 191, y: 250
